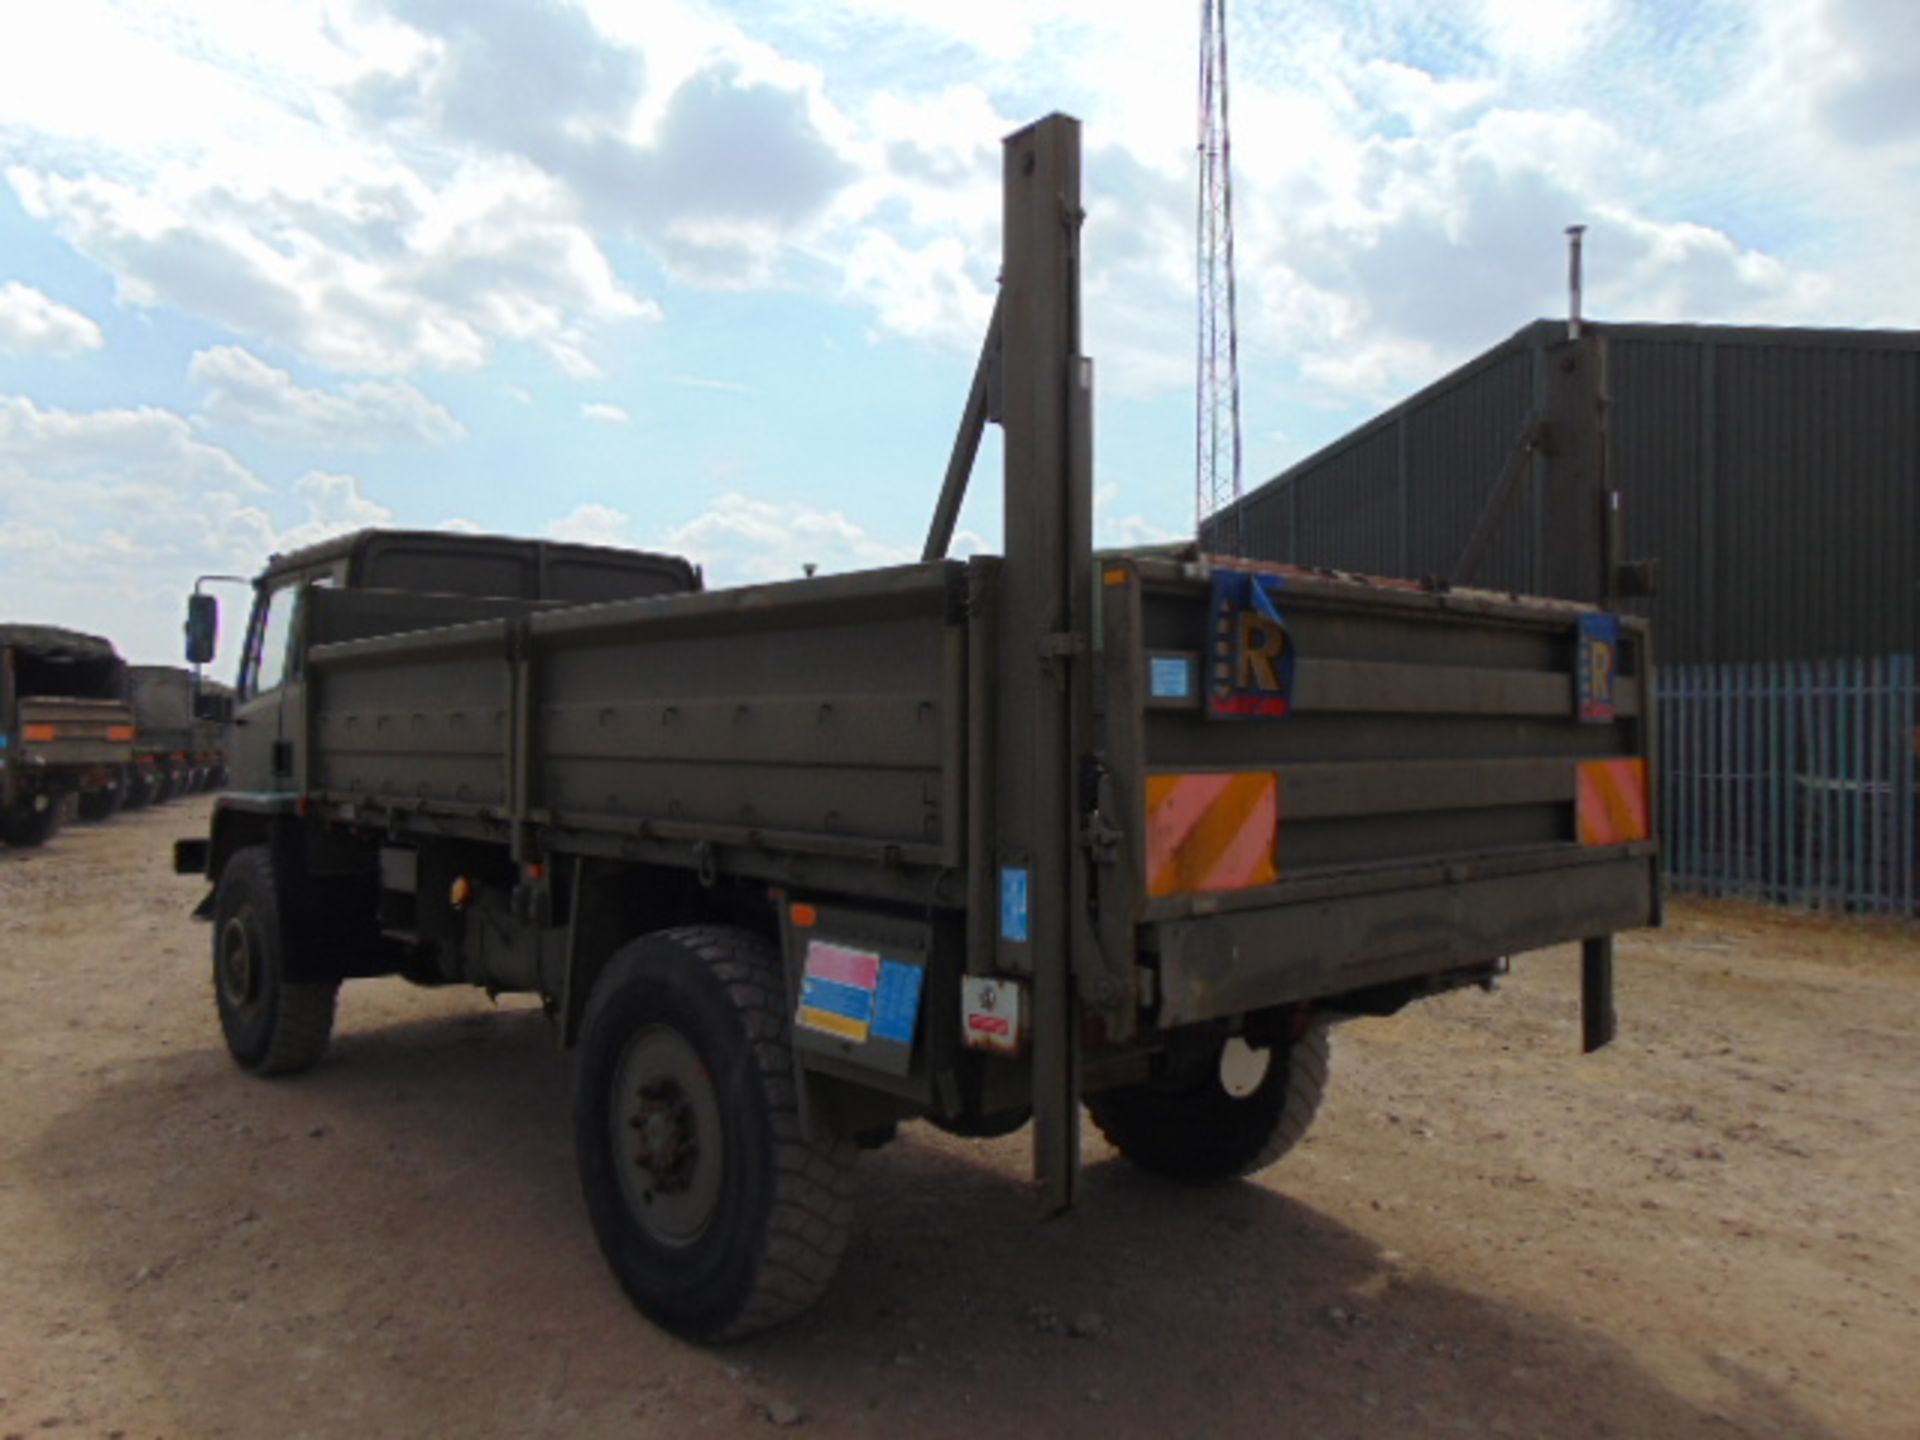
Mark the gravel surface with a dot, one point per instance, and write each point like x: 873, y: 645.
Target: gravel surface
x: 1711, y: 1229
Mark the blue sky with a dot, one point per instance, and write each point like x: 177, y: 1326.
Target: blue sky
x: 711, y: 278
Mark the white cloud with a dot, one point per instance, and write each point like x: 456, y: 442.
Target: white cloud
x: 205, y: 157
x: 369, y: 272
x: 601, y: 413
x: 241, y: 390
x: 702, y: 382
x: 740, y: 539
x: 45, y: 452
x: 593, y: 524
x: 1531, y: 32
x: 107, y: 516
x: 1122, y: 532
x: 31, y: 324
x: 454, y: 178
x: 922, y: 293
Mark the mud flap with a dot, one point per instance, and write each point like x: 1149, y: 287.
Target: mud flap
x: 1598, y: 1020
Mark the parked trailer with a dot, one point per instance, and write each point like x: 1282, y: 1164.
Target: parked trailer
x: 182, y: 724
x: 789, y: 864
x: 65, y: 729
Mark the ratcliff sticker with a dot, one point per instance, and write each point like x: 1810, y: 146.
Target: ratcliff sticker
x: 1250, y: 664
x: 1596, y: 667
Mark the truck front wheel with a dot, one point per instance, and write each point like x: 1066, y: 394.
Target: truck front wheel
x: 273, y: 1026
x: 1224, y: 1120
x: 717, y: 1215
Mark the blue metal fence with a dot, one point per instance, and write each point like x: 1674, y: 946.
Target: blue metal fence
x: 1792, y: 781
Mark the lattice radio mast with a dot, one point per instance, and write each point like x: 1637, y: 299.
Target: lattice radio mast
x: 1217, y: 442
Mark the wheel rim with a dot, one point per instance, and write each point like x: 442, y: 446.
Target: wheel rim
x: 668, y: 1145
x: 1243, y: 1069
x: 239, y: 976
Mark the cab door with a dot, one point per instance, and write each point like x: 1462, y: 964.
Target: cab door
x: 269, y: 720
x: 257, y: 760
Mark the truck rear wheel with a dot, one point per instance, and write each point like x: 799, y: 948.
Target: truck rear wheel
x: 1223, y: 1120
x: 716, y: 1214
x: 984, y: 1127
x: 103, y: 804
x: 272, y: 1025
x: 29, y: 826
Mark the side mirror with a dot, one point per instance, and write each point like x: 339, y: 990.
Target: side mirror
x: 203, y: 628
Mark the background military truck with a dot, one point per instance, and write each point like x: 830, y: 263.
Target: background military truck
x: 182, y: 727
x: 974, y: 842
x: 66, y: 729
x: 212, y: 731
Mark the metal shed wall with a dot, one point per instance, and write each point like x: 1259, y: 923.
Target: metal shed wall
x: 1773, y: 472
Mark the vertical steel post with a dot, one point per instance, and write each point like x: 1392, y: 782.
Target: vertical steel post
x: 1860, y: 790
x: 1045, y: 597
x: 1779, y: 835
x: 1907, y: 794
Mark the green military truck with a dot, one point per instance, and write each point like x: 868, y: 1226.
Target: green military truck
x: 183, y: 724
x: 212, y: 732
x: 66, y: 730
x: 978, y: 842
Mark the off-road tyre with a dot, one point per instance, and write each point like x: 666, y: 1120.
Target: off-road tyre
x: 1199, y: 1133
x: 137, y: 793
x: 984, y: 1127
x: 272, y: 1025
x: 93, y: 806
x: 30, y: 829
x: 771, y: 1236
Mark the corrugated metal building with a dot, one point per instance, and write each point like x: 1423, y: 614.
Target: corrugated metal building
x: 1774, y: 473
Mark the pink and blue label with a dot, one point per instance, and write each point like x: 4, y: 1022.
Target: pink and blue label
x: 858, y: 995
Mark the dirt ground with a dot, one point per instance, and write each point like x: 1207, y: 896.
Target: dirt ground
x: 1711, y: 1229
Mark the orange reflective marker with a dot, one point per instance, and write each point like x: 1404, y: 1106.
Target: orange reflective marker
x: 1211, y: 832
x: 1613, y: 802
x: 804, y: 917
x: 1114, y: 577
x: 36, y: 734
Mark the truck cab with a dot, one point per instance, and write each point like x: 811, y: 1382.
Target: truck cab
x: 400, y: 580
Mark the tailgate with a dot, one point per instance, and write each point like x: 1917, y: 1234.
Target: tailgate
x: 1324, y: 783
x: 58, y: 731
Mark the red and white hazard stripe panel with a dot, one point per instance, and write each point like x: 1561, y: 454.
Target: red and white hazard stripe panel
x: 1612, y: 802
x: 1211, y: 832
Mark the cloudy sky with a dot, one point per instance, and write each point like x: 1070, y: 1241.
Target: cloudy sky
x: 711, y: 278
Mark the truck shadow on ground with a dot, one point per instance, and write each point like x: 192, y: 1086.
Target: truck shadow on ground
x: 394, y: 1245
